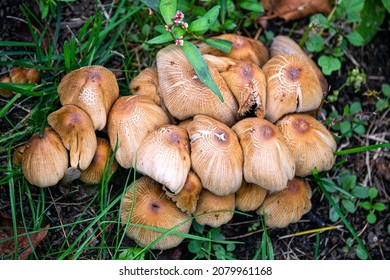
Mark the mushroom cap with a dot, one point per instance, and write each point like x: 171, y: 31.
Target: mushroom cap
x: 130, y: 120
x: 220, y: 208
x: 187, y: 199
x: 76, y: 130
x: 310, y: 143
x: 243, y: 48
x: 5, y: 92
x: 285, y: 45
x: 168, y: 145
x: 147, y: 205
x: 17, y: 157
x: 247, y: 83
x: 249, y: 197
x: 25, y: 75
x: 292, y: 86
x: 92, y: 88
x: 267, y: 159
x: 216, y: 155
x: 287, y: 206
x: 100, y: 162
x: 45, y: 159
x: 185, y: 95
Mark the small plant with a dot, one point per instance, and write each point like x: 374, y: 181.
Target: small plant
x: 356, y: 79
x: 132, y: 254
x: 47, y: 6
x: 371, y: 206
x: 359, y: 251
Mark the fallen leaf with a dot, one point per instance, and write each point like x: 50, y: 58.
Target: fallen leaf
x: 26, y: 241
x: 295, y: 9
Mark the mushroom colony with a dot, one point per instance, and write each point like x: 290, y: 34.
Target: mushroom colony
x: 198, y: 158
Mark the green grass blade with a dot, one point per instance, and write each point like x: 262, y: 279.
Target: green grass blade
x: 361, y: 149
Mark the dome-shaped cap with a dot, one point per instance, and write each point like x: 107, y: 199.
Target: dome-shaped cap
x: 249, y: 197
x: 165, y: 156
x: 76, y: 130
x: 185, y: 95
x: 145, y: 204
x: 45, y: 159
x: 130, y: 120
x: 267, y: 159
x: 287, y: 206
x: 92, y: 88
x: 25, y: 75
x: 310, y: 143
x: 216, y: 155
x: 292, y: 86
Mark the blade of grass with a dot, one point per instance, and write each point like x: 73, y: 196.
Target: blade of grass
x: 361, y: 149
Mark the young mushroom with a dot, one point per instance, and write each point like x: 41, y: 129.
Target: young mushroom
x: 76, y: 130
x: 310, y: 143
x: 165, y: 156
x: 216, y: 155
x: 145, y: 204
x: 292, y: 86
x: 45, y: 159
x: 287, y: 206
x: 249, y: 197
x: 267, y: 159
x: 92, y: 88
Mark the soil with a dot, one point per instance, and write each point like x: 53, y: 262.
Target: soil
x: 371, y: 167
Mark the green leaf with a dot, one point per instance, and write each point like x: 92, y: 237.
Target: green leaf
x: 167, y: 36
x: 202, y: 71
x: 222, y: 45
x: 329, y: 185
x: 356, y: 107
x: 359, y: 129
x: 346, y: 128
x: 230, y: 247
x: 348, y: 205
x: 372, y: 193
x: 153, y: 4
x: 333, y: 216
x: 379, y: 206
x: 223, y: 13
x: 348, y: 182
x: 381, y: 104
x: 329, y: 64
x: 351, y: 9
x: 386, y: 88
x: 360, y: 192
x: 386, y: 4
x: 132, y: 254
x: 361, y: 253
x: 365, y: 205
x: 251, y: 5
x: 195, y: 246
x: 355, y: 39
x: 315, y: 43
x: 168, y: 10
x: 203, y: 24
x: 198, y: 227
x: 371, y: 218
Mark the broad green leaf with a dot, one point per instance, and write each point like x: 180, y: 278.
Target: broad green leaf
x: 230, y: 247
x: 315, y: 43
x: 356, y: 107
x: 348, y: 182
x: 355, y: 39
x: 223, y: 13
x: 203, y: 24
x: 379, y: 206
x: 195, y: 246
x: 132, y: 254
x: 219, y: 44
x: 371, y: 218
x: 168, y: 10
x: 329, y: 64
x: 167, y: 36
x: 382, y: 104
x: 386, y: 89
x: 319, y: 20
x: 329, y: 185
x: 349, y: 9
x: 361, y: 253
x: 198, y: 227
x: 333, y: 216
x: 365, y: 205
x: 202, y: 71
x: 358, y: 128
x: 386, y: 4
x: 153, y: 4
x: 346, y: 128
x: 360, y: 192
x: 251, y: 5
x: 160, y: 28
x: 372, y: 193
x: 348, y: 205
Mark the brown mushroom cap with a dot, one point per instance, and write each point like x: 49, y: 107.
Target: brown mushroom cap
x: 165, y: 156
x: 214, y: 210
x: 100, y: 162
x: 310, y: 143
x: 243, y: 49
x: 130, y: 120
x: 285, y: 45
x: 45, y: 159
x: 145, y: 204
x: 249, y: 197
x: 76, y: 130
x: 287, y: 206
x: 187, y: 199
x: 216, y: 155
x: 267, y: 159
x: 92, y: 88
x: 17, y: 157
x: 247, y: 83
x: 292, y: 86
x: 185, y: 95
x: 5, y: 92
x: 24, y: 75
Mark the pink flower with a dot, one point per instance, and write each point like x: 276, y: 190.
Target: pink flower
x: 184, y: 25
x: 178, y: 18
x: 168, y: 27
x: 179, y: 41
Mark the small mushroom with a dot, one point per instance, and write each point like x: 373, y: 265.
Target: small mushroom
x: 185, y: 95
x: 76, y: 130
x: 45, y: 159
x: 249, y: 197
x: 243, y: 48
x: 292, y: 86
x: 18, y: 154
x: 310, y: 143
x: 145, y: 204
x: 100, y: 163
x: 5, y: 92
x: 214, y: 210
x: 267, y: 159
x: 287, y: 206
x: 216, y: 155
x: 130, y: 120
x: 92, y: 88
x: 24, y: 75
x: 165, y: 156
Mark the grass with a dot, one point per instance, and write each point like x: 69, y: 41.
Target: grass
x: 112, y: 36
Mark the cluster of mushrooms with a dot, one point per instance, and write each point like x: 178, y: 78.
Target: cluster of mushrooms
x: 199, y: 158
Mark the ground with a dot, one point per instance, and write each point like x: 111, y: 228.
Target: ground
x: 372, y: 167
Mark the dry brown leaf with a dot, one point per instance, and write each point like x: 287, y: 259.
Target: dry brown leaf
x: 7, y: 248
x: 295, y: 9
